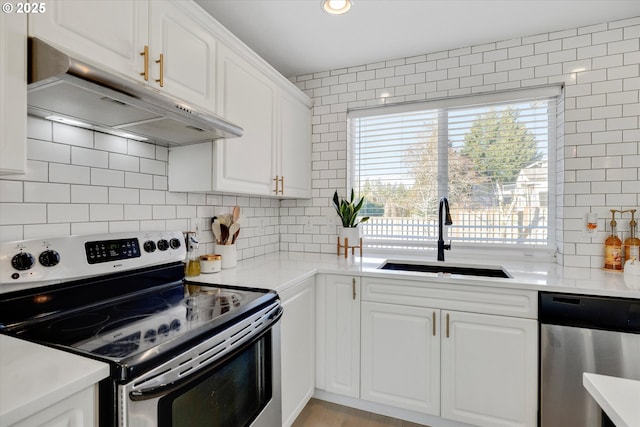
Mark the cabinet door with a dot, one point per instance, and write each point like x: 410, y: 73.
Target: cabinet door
x: 247, y: 98
x: 295, y: 147
x: 13, y: 93
x: 400, y: 356
x: 489, y: 369
x: 342, y: 339
x: 77, y: 410
x: 298, y: 349
x: 188, y: 50
x: 104, y: 32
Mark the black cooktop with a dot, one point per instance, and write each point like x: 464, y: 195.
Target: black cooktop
x: 127, y: 319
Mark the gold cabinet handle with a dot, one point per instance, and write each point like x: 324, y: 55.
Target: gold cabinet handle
x: 276, y: 180
x: 434, y: 323
x: 353, y: 287
x: 447, y: 325
x: 145, y: 54
x: 161, y: 62
x: 282, y: 184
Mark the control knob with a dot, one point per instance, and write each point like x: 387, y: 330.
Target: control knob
x: 23, y: 261
x: 174, y: 243
x: 149, y: 246
x: 163, y: 245
x: 49, y: 258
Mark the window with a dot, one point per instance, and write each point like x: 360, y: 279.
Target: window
x: 489, y: 155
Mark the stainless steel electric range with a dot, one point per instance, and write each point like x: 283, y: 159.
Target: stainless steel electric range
x: 181, y: 354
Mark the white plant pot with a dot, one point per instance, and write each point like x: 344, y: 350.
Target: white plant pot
x: 351, y: 233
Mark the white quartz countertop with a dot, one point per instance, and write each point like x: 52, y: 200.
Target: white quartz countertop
x: 33, y: 377
x: 619, y: 398
x: 281, y: 270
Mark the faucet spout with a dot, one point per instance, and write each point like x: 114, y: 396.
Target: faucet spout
x: 444, y: 203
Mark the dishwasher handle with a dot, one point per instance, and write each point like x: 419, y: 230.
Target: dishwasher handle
x: 592, y: 312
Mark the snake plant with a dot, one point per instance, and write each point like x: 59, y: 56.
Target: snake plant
x: 348, y: 210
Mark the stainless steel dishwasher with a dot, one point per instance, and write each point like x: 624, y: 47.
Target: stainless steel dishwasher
x: 583, y: 334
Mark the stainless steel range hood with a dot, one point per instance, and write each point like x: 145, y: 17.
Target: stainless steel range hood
x: 66, y: 89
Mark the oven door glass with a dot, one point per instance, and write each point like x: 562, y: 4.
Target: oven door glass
x: 232, y: 394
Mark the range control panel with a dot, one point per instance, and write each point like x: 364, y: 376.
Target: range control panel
x: 111, y: 250
x: 55, y: 260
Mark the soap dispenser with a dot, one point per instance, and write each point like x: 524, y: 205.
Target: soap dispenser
x: 632, y: 243
x: 613, y: 247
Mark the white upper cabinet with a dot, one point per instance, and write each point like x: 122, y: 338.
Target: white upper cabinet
x: 245, y: 164
x: 188, y: 52
x: 294, y: 149
x: 13, y: 93
x: 162, y: 43
x: 104, y: 32
x: 271, y: 158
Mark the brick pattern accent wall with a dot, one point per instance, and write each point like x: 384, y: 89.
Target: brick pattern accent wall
x: 84, y: 182
x: 598, y: 152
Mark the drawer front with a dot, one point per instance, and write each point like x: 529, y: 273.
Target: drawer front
x: 471, y: 298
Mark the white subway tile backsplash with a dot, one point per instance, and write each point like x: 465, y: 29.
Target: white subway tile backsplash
x: 38, y: 128
x: 11, y: 192
x: 119, y: 195
x: 107, y: 177
x: 72, y: 135
x: 84, y: 228
x: 46, y: 192
x: 57, y: 213
x: 112, y: 143
x: 152, y: 197
x: 155, y: 167
x: 124, y: 162
x: 125, y: 226
x: 138, y: 180
x: 141, y: 149
x: 138, y: 212
x: 22, y: 213
x: 106, y: 212
x: 48, y: 151
x: 89, y: 157
x: 69, y: 174
x: 45, y: 231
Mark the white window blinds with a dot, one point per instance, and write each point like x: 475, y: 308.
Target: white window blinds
x: 491, y: 159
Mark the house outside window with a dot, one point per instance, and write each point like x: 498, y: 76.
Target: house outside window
x: 490, y: 155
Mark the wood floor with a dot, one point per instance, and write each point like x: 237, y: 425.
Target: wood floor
x: 319, y: 413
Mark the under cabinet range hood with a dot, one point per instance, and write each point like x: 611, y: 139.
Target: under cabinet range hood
x: 68, y: 90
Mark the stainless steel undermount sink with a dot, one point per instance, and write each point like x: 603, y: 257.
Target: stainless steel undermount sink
x: 439, y: 267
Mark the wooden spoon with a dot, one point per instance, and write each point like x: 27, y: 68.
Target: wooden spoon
x: 233, y: 232
x: 216, y: 229
x: 236, y: 213
x: 224, y: 234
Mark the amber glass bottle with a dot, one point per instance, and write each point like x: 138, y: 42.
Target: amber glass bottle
x: 632, y: 243
x: 613, y: 247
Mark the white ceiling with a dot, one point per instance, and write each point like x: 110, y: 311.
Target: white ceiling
x: 296, y: 37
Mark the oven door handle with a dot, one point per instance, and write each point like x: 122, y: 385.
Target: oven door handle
x: 163, y: 389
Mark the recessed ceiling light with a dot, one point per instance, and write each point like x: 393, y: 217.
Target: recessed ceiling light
x: 336, y: 7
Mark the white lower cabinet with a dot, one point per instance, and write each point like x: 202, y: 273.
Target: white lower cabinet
x: 297, y: 349
x: 472, y: 367
x: 489, y: 369
x: 338, y: 334
x: 77, y: 410
x: 401, y: 356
